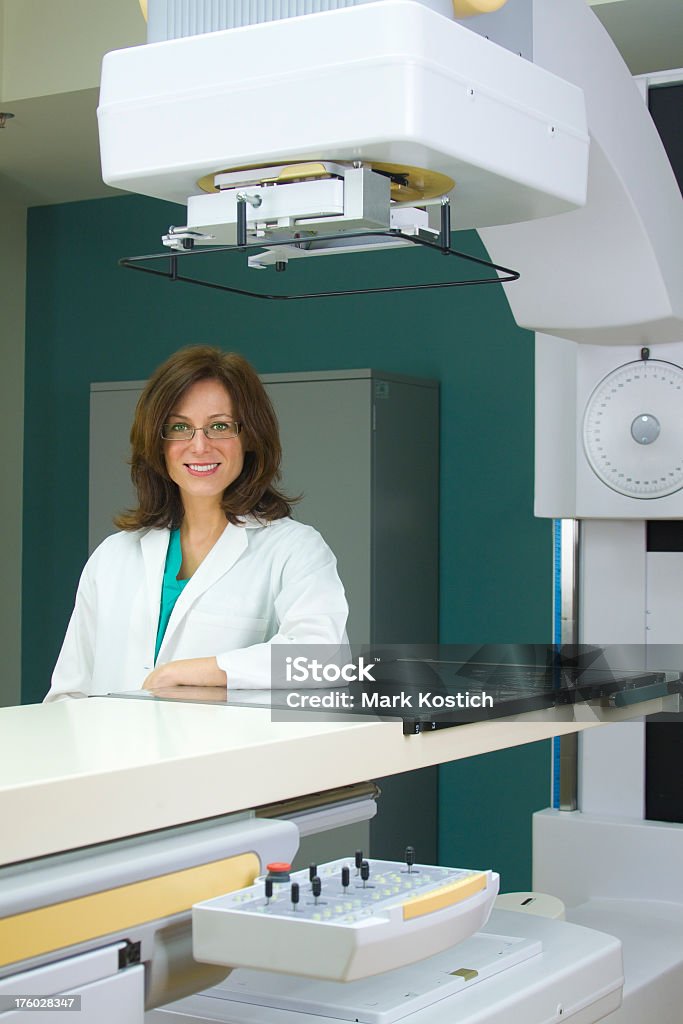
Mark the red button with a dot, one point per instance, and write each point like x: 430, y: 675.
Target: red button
x: 278, y: 867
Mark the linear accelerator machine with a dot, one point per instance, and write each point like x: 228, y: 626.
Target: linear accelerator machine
x: 359, y: 127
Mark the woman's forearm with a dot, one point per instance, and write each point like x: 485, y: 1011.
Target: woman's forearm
x: 186, y: 672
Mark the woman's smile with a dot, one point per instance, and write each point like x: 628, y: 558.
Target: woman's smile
x: 202, y: 468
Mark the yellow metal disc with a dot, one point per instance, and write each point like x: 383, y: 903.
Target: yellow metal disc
x: 411, y: 184
x: 291, y: 172
x: 408, y: 184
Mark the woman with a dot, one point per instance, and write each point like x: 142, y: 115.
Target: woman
x: 209, y: 570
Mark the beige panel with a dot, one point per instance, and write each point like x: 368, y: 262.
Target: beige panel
x: 57, y: 46
x: 49, y: 928
x: 2, y: 46
x: 51, y: 151
x: 12, y: 329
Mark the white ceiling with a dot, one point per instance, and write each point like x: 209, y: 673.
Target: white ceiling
x: 49, y: 151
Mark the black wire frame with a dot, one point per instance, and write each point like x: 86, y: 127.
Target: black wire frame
x: 503, y: 274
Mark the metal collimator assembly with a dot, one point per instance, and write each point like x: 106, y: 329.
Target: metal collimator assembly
x: 316, y: 198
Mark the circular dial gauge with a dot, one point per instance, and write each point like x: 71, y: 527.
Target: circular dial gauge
x: 633, y: 429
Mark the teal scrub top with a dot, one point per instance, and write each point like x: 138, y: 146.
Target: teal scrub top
x: 171, y: 587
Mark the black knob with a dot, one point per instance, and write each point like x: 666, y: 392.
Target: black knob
x: 410, y: 856
x: 312, y: 871
x: 365, y: 871
x: 316, y: 886
x: 295, y: 893
x: 269, y: 888
x: 359, y: 859
x: 346, y: 877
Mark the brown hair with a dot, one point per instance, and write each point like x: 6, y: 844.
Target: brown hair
x: 159, y: 501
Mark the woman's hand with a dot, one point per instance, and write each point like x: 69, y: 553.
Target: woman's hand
x: 188, y: 672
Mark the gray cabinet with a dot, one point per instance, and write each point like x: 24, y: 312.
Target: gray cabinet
x: 361, y: 447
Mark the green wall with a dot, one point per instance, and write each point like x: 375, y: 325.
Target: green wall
x: 88, y: 320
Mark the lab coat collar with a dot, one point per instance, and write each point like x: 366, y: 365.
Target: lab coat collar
x: 250, y: 522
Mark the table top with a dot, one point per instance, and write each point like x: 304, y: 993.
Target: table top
x: 78, y: 772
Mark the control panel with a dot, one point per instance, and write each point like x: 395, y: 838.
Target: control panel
x: 344, y: 920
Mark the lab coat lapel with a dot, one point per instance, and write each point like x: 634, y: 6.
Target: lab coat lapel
x: 154, y: 545
x: 221, y: 558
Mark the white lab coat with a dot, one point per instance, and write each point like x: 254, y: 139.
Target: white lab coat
x: 259, y: 585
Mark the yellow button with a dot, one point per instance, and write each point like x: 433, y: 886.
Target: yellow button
x: 467, y: 973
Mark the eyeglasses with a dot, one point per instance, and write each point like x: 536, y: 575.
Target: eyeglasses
x: 219, y: 430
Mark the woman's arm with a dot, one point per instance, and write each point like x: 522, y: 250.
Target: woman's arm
x: 72, y: 676
x: 186, y: 672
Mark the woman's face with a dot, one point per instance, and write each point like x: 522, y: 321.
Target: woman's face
x: 203, y: 467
